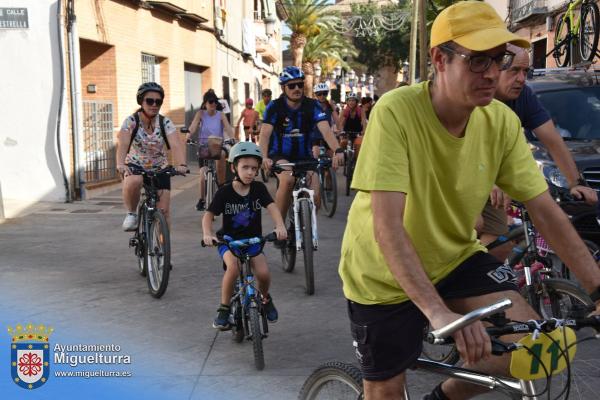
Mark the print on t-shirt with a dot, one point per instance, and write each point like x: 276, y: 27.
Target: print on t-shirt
x: 241, y: 214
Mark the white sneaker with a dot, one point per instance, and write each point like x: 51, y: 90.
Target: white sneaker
x: 130, y: 222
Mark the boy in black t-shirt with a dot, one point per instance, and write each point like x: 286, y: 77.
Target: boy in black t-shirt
x: 241, y: 203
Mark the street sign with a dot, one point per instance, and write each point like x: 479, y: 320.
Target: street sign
x: 13, y: 18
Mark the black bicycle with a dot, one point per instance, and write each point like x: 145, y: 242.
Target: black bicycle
x: 327, y: 184
x: 350, y: 157
x: 151, y: 239
x: 248, y: 317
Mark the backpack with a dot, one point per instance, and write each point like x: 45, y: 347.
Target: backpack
x: 307, y: 109
x: 161, y: 124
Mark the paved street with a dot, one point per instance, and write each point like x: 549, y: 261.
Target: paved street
x: 69, y: 266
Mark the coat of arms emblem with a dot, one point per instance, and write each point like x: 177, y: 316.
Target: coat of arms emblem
x: 30, y: 355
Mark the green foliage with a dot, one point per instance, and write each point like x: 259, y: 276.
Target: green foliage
x: 308, y: 17
x: 386, y: 48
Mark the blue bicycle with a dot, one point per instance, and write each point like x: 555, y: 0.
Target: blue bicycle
x: 248, y: 318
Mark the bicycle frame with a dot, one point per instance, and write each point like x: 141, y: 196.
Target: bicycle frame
x: 307, y: 195
x: 571, y: 15
x: 246, y: 292
x: 510, y: 387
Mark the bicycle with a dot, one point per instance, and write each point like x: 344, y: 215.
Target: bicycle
x: 208, y: 159
x: 541, y: 284
x: 151, y: 238
x: 327, y: 184
x: 349, y: 157
x: 301, y: 219
x: 336, y: 380
x: 248, y: 318
x: 584, y: 31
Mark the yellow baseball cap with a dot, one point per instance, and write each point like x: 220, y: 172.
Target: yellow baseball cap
x: 474, y: 25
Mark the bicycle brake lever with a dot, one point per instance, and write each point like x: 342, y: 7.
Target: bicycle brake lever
x: 499, y: 347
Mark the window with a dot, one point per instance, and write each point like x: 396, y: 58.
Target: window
x: 150, y: 68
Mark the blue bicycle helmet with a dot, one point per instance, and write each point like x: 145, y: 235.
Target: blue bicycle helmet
x: 290, y: 73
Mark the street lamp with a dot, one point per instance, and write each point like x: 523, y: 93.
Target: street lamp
x: 269, y: 25
x: 351, y: 74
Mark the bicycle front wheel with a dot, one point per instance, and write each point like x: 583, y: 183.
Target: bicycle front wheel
x: 562, y: 42
x: 328, y: 181
x: 211, y: 188
x: 333, y: 380
x: 140, y: 252
x: 158, y: 255
x: 588, y: 31
x: 259, y: 357
x: 237, y: 329
x: 307, y: 245
x: 349, y: 168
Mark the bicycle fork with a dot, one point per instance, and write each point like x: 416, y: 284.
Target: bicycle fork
x: 298, y: 231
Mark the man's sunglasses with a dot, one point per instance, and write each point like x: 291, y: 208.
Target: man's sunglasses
x: 150, y: 101
x: 292, y: 86
x: 322, y: 93
x: 482, y: 62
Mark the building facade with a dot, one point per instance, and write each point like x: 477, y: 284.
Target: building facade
x: 78, y: 64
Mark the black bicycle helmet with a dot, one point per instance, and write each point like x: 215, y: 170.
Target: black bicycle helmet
x: 149, y: 87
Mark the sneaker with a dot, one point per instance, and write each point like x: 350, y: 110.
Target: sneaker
x: 200, y: 205
x: 221, y: 322
x: 130, y: 222
x: 270, y: 310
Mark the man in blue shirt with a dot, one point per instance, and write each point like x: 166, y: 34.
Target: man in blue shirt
x: 286, y: 133
x: 513, y: 91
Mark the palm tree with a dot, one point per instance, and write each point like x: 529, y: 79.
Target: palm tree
x: 306, y: 19
x: 328, y: 47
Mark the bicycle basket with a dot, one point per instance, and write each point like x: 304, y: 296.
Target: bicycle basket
x: 210, y: 149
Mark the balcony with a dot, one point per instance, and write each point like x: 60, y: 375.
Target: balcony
x: 520, y: 10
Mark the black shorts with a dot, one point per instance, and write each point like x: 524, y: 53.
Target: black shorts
x: 162, y: 181
x: 388, y: 339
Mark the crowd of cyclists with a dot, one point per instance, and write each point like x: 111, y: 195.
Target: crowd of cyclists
x: 438, y: 159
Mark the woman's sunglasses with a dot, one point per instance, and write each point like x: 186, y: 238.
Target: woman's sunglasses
x: 211, y: 101
x: 292, y: 86
x: 322, y: 93
x: 149, y: 101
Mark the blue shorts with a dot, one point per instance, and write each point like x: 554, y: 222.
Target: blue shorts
x: 253, y: 250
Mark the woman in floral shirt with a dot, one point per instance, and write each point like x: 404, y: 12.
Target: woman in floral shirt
x: 147, y: 150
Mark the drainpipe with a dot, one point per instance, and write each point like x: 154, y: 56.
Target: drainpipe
x: 76, y: 104
x: 61, y: 29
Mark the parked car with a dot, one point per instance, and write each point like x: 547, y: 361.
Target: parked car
x: 572, y: 97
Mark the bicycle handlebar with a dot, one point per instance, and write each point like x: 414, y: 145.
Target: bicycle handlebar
x: 244, y: 243
x: 168, y: 170
x: 195, y: 143
x: 439, y: 335
x: 305, y: 165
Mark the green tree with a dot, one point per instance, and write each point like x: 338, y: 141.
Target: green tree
x: 306, y: 19
x: 328, y: 48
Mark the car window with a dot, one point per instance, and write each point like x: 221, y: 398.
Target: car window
x: 575, y: 111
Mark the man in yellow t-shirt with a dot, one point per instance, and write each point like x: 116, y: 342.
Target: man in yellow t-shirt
x: 428, y: 162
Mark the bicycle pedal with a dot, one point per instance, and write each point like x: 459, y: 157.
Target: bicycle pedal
x: 133, y: 242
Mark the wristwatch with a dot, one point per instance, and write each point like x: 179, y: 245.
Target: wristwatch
x: 339, y: 150
x: 595, y: 295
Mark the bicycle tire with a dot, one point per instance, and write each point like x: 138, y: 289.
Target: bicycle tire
x: 288, y: 251
x: 447, y: 354
x: 237, y: 328
x: 210, y: 188
x: 349, y: 174
x: 141, y: 256
x: 333, y: 380
x: 159, y: 255
x: 259, y: 357
x: 560, y: 298
x: 307, y: 245
x: 329, y: 204
x: 562, y: 45
x: 588, y: 49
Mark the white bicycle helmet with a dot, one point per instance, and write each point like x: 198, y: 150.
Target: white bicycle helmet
x: 321, y: 87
